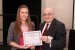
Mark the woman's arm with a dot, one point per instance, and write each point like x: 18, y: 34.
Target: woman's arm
x: 10, y: 38
x: 18, y: 46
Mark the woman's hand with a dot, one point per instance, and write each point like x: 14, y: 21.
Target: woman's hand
x: 24, y: 47
x: 32, y: 47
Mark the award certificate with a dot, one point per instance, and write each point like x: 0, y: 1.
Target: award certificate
x: 32, y: 38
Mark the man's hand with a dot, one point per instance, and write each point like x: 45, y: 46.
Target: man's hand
x: 46, y: 39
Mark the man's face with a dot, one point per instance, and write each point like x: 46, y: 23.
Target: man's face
x: 48, y: 15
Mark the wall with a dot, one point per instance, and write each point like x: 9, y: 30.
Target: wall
x: 1, y: 23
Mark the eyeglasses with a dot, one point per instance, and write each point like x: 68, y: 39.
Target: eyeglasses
x: 47, y: 14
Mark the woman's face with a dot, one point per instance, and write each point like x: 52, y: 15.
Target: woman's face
x: 23, y: 14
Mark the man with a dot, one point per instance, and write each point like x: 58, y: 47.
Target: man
x: 53, y: 32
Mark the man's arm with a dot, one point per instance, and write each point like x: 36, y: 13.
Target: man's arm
x: 60, y: 38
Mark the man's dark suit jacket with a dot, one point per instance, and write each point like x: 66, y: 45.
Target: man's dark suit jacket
x: 58, y: 32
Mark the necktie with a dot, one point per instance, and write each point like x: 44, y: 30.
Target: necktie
x: 46, y: 29
x: 44, y: 33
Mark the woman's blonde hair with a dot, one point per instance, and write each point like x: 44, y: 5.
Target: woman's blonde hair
x: 18, y: 20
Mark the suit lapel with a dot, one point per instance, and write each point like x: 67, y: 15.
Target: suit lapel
x: 42, y: 26
x: 51, y: 28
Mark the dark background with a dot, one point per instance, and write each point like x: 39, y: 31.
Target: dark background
x: 71, y: 44
x: 10, y: 9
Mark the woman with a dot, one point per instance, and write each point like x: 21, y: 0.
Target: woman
x: 16, y: 29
